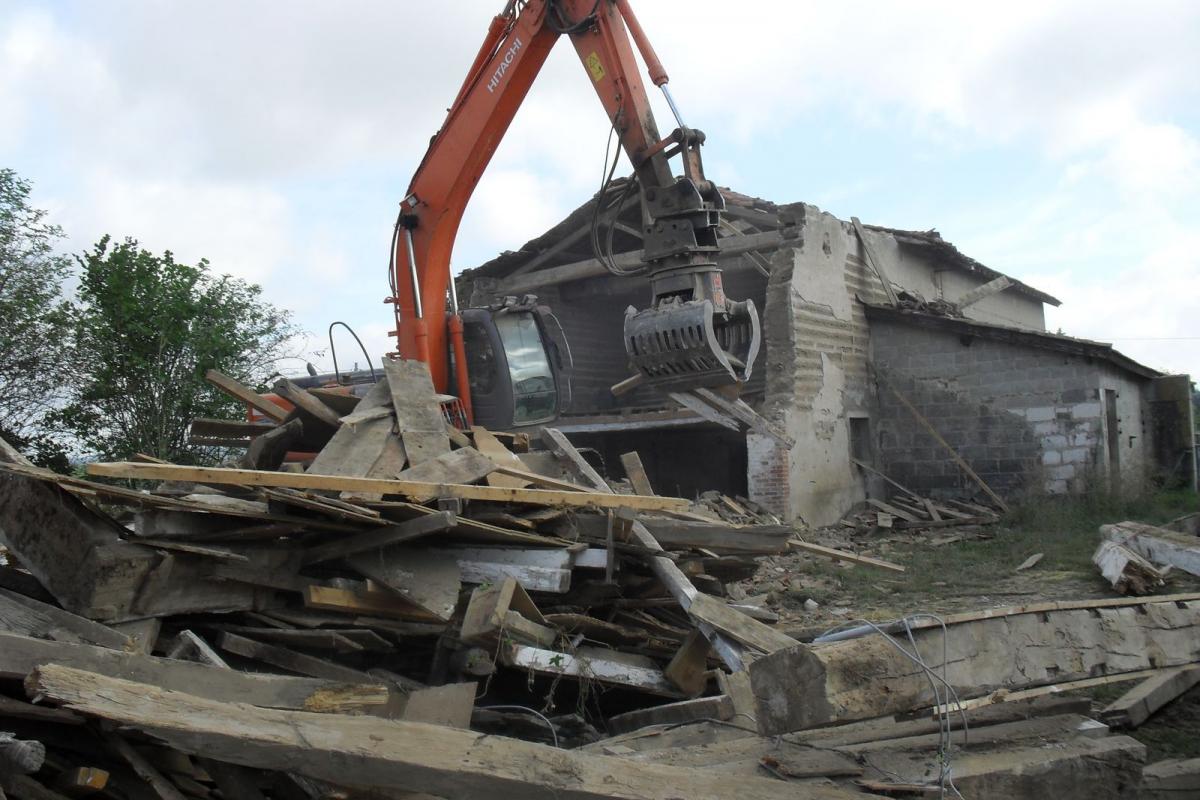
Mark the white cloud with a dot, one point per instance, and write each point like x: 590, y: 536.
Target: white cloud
x: 197, y: 127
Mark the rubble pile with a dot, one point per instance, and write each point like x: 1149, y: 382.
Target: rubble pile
x: 373, y: 602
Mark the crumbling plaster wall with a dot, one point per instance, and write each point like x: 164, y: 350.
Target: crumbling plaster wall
x: 906, y: 266
x: 816, y: 341
x: 1024, y: 418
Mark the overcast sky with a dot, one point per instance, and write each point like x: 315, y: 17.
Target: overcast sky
x: 1056, y: 142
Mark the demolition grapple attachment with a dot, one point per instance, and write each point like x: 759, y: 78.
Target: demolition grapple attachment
x: 690, y: 344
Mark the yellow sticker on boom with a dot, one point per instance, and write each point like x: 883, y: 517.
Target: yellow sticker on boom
x: 595, y: 67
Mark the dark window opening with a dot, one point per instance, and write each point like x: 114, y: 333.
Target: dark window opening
x: 860, y: 439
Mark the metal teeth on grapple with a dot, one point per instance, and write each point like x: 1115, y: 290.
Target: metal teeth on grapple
x: 685, y: 345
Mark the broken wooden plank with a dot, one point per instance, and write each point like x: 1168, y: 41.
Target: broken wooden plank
x: 354, y: 449
x: 144, y: 769
x: 308, y: 403
x: 1126, y: 571
x: 821, y: 684
x: 842, y: 555
x: 718, y: 707
x: 689, y: 666
x: 418, y: 412
x: 488, y: 609
x: 239, y: 391
x: 189, y: 643
x: 609, y: 667
x: 876, y: 267
x: 636, y: 473
x: 743, y: 413
x: 1137, y: 705
x: 29, y: 617
x: 705, y: 411
x: 77, y: 555
x: 443, y: 761
x: 1170, y: 779
x: 720, y: 537
x: 429, y: 579
x: 937, y: 437
x: 228, y: 428
x: 290, y: 660
x: 994, y: 286
x: 270, y: 450
x: 874, y: 471
x: 537, y: 579
x: 889, y: 508
x: 19, y: 655
x: 465, y: 465
x: 406, y: 531
x: 377, y: 603
x: 558, y: 444
x: 416, y: 490
x: 664, y: 569
x: 1158, y: 545
x: 487, y: 443
x: 737, y: 625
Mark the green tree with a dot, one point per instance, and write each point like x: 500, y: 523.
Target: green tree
x: 146, y: 328
x: 32, y: 316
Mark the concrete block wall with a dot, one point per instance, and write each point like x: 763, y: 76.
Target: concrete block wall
x: 1024, y: 418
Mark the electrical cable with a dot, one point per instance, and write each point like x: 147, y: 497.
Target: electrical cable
x: 945, y: 729
x: 538, y: 714
x: 604, y: 252
x: 333, y: 351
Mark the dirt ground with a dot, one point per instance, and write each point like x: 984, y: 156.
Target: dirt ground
x: 973, y: 568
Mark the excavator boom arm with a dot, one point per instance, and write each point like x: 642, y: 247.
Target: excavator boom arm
x: 681, y: 214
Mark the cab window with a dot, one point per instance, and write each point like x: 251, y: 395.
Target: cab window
x: 535, y: 398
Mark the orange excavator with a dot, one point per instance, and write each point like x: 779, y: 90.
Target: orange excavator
x: 500, y: 362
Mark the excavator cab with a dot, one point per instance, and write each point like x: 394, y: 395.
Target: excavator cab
x: 514, y: 366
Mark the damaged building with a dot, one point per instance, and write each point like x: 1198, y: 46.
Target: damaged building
x: 886, y: 352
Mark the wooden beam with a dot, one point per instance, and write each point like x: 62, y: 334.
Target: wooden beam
x: 20, y: 655
x: 636, y: 473
x: 842, y: 555
x: 487, y: 443
x: 823, y: 684
x: 874, y: 263
x: 307, y: 402
x: 1126, y: 571
x: 1159, y: 545
x: 30, y: 617
x: 609, y: 667
x: 592, y: 267
x: 416, y: 490
x: 378, y: 603
x: 738, y: 626
x: 442, y: 761
x: 743, y: 413
x: 558, y: 444
x: 1138, y: 704
x: 290, y: 660
x: 465, y: 465
x: 688, y: 667
x: 418, y: 412
x: 994, y: 286
x: 924, y: 423
x: 239, y: 391
x: 429, y: 578
x: 382, y: 537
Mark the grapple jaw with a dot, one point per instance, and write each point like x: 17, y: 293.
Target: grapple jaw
x: 690, y: 344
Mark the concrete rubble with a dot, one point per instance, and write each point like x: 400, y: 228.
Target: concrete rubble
x: 374, y: 603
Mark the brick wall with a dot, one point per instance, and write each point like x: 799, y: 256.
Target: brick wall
x: 768, y: 474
